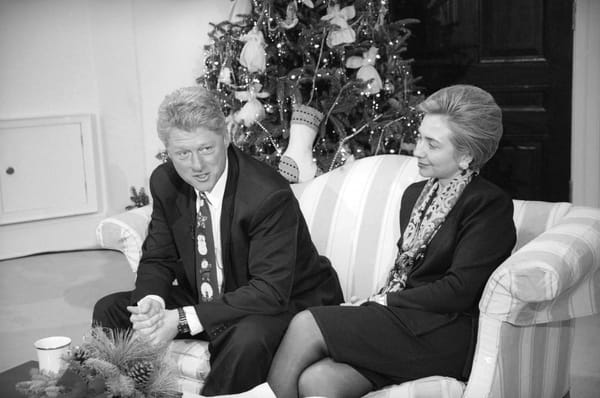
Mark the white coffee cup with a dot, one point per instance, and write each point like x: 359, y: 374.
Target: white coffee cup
x: 51, y: 352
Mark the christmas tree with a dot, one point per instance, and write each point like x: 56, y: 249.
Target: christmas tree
x: 308, y: 85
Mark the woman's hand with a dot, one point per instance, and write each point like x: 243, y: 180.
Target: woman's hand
x: 355, y: 301
x: 378, y: 298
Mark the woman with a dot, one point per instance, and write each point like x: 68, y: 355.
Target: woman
x: 456, y: 229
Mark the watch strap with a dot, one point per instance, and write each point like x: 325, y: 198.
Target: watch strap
x: 182, y: 325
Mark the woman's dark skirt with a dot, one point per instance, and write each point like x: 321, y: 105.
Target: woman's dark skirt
x: 373, y: 340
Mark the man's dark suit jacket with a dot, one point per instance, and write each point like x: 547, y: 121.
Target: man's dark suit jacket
x: 476, y: 237
x: 270, y: 264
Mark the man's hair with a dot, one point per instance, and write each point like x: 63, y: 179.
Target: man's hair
x: 473, y: 117
x: 187, y: 109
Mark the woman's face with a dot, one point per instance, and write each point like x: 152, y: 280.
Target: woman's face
x: 435, y: 151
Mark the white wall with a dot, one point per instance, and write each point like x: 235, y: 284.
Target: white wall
x: 170, y: 51
x: 115, y: 59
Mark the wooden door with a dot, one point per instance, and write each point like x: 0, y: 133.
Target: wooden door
x: 521, y: 52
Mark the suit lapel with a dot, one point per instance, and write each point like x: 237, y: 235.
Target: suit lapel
x: 227, y: 214
x: 183, y: 229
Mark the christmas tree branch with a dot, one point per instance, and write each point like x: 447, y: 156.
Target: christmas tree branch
x: 314, y: 81
x: 388, y: 124
x: 346, y: 139
x: 270, y: 137
x: 348, y: 85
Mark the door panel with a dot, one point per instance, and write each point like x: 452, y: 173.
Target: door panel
x: 521, y: 52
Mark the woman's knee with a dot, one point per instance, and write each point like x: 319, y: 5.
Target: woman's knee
x: 332, y: 379
x: 304, y: 333
x: 303, y: 323
x: 313, y: 378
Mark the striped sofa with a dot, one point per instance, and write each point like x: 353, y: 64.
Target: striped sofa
x: 527, y: 309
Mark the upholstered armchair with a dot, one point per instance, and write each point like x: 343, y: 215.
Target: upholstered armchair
x: 528, y: 306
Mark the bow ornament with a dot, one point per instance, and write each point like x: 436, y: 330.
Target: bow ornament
x: 341, y: 33
x: 253, y: 110
x: 366, y: 70
x: 253, y: 55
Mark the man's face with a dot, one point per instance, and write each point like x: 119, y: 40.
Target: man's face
x: 198, y: 156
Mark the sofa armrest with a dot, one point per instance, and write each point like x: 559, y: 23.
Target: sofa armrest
x: 125, y: 232
x: 553, y: 277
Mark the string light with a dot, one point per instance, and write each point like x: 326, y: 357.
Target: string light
x: 296, y: 58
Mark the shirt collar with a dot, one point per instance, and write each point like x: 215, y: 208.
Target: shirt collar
x: 215, y: 197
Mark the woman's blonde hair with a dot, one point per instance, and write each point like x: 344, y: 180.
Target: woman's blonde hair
x: 473, y: 117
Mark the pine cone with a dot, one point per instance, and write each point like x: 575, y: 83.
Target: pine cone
x: 80, y: 355
x: 140, y: 372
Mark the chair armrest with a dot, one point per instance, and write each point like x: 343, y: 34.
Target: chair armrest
x: 551, y: 278
x: 125, y: 232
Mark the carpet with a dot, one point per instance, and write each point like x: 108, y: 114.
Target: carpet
x: 54, y: 294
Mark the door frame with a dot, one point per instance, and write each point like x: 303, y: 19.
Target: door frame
x: 585, y: 119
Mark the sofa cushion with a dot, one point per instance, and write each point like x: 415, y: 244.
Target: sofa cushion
x: 125, y: 232
x: 434, y: 386
x: 353, y: 216
x: 553, y: 277
x: 192, y: 360
x: 534, y: 217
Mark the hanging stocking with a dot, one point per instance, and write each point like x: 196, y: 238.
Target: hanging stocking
x: 297, y: 164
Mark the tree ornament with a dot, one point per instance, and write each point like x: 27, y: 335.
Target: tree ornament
x: 253, y: 110
x: 212, y: 62
x: 291, y: 16
x: 282, y: 49
x: 269, y: 108
x: 342, y: 155
x: 253, y: 55
x: 225, y: 75
x: 346, y: 155
x: 367, y: 71
x: 239, y: 9
x: 388, y: 87
x: 342, y: 33
x: 304, y: 62
x: 383, y: 10
x: 297, y: 164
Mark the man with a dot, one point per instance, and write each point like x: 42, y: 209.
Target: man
x: 229, y: 230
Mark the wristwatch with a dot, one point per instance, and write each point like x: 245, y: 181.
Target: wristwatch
x: 182, y: 325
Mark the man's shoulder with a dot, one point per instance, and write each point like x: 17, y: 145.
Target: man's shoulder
x: 164, y: 178
x: 258, y: 176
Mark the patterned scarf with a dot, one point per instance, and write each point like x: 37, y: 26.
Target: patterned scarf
x: 428, y: 215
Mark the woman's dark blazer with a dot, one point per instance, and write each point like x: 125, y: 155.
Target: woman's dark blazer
x: 476, y: 237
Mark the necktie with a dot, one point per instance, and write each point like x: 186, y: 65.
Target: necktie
x: 206, y: 266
